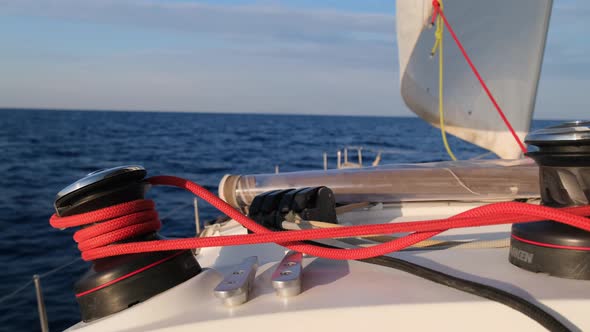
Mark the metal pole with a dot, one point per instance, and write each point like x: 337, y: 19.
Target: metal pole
x: 345, y: 155
x: 339, y: 162
x: 41, y: 304
x: 197, y: 219
x: 325, y: 161
x: 276, y: 169
x: 360, y: 157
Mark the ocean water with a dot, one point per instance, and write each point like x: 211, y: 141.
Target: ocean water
x: 42, y: 151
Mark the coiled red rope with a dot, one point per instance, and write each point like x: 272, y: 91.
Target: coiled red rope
x: 134, y: 218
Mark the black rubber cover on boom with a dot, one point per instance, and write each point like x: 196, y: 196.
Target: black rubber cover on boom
x: 270, y: 209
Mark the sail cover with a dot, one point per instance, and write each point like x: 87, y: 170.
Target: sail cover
x: 506, y: 41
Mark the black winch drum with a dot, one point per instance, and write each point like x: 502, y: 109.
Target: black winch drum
x: 116, y: 283
x: 563, y: 155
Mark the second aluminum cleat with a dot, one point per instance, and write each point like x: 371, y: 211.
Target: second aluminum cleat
x: 286, y: 279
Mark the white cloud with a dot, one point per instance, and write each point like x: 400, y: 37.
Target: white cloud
x: 253, y: 21
x: 273, y: 59
x: 249, y: 58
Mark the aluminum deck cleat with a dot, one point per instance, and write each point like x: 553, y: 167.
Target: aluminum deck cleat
x: 234, y: 289
x: 286, y: 279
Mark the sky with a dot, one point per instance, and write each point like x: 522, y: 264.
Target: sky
x: 275, y: 56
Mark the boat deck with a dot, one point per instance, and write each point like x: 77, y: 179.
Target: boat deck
x: 353, y: 295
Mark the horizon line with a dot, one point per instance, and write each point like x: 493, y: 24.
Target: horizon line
x: 67, y: 109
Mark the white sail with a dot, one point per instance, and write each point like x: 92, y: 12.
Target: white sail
x: 506, y: 41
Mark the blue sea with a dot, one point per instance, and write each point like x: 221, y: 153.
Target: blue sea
x: 42, y: 151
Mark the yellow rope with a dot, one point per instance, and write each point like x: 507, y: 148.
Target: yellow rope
x: 438, y: 44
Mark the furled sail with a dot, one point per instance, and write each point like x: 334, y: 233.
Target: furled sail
x: 506, y: 41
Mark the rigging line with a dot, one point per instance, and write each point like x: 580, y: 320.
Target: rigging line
x: 431, y: 244
x: 174, y: 210
x: 63, y: 266
x: 440, y: 13
x: 440, y: 89
x: 119, y: 222
x: 16, y: 291
x: 50, y: 272
x: 461, y: 183
x: 478, y: 157
x: 45, y: 274
x: 438, y: 45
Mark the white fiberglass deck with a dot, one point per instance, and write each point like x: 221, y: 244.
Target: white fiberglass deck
x: 351, y: 295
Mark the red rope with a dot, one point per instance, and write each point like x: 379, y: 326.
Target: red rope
x: 439, y: 11
x: 139, y: 217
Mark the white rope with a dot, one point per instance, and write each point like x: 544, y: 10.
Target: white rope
x: 294, y: 223
x: 463, y: 185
